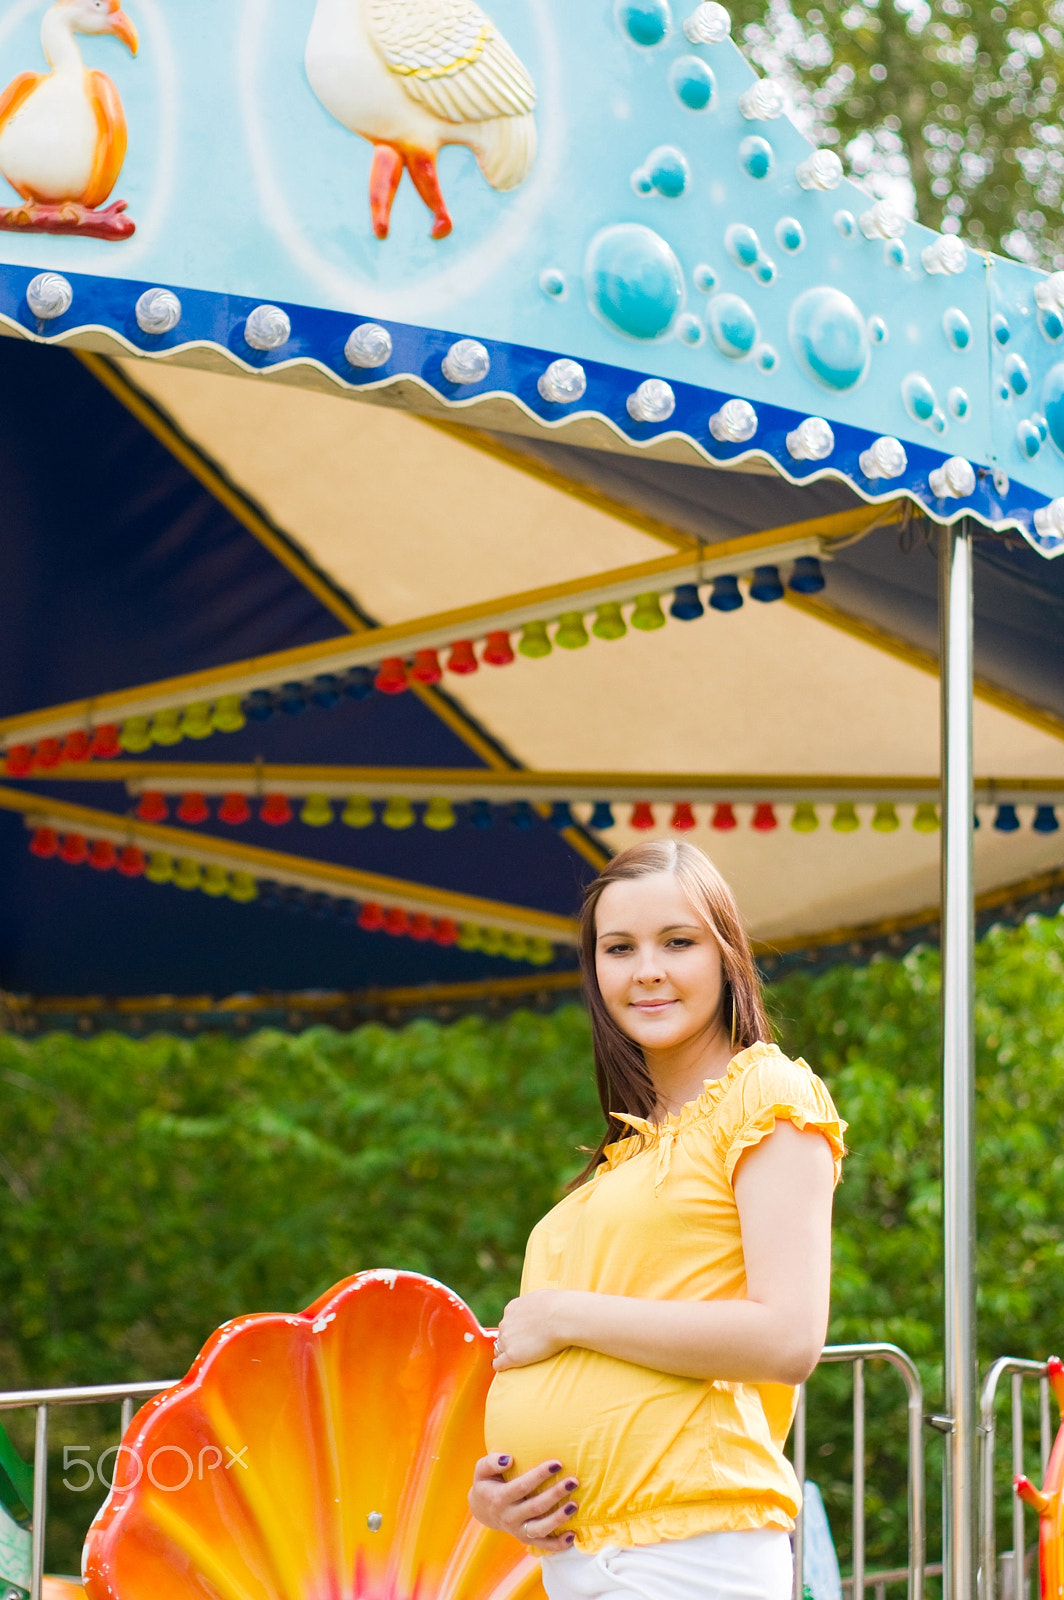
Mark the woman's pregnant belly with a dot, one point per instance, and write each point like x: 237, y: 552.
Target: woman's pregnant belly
x: 612, y: 1425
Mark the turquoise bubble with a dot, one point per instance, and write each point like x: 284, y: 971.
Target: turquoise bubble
x: 790, y: 235
x: 1017, y: 374
x: 1053, y: 403
x: 895, y: 253
x: 957, y: 400
x: 552, y: 282
x: 999, y: 327
x: 1040, y: 423
x: 846, y: 223
x: 756, y: 157
x: 765, y: 270
x: 646, y: 22
x: 633, y: 280
x: 766, y: 358
x: 1029, y: 439
x: 919, y: 397
x: 938, y: 420
x: 1051, y: 324
x: 957, y: 328
x: 704, y: 278
x: 641, y: 182
x: 689, y: 329
x: 692, y: 83
x: 732, y: 325
x: 1004, y: 393
x: 829, y: 338
x: 668, y: 171
x: 877, y: 330
x: 742, y: 244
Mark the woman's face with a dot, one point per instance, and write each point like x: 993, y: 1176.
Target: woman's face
x: 658, y: 965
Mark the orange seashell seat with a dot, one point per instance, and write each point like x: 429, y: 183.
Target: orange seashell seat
x: 325, y: 1456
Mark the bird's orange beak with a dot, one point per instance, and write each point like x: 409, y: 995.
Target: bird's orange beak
x: 123, y: 29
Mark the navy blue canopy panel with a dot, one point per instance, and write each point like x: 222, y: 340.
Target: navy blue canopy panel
x: 117, y: 568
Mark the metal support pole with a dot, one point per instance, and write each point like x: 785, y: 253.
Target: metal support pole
x: 958, y: 1053
x: 858, y: 1481
x: 799, y: 1472
x: 40, y: 1503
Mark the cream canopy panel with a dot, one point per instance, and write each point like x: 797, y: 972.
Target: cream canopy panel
x: 406, y: 517
x: 768, y: 689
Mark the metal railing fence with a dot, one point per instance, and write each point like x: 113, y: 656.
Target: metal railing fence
x: 1017, y: 1371
x: 856, y: 1355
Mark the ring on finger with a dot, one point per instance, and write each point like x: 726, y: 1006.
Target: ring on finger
x: 498, y: 1347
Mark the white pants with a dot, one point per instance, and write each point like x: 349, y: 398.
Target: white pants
x: 753, y: 1565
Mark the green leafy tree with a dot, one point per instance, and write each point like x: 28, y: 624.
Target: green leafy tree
x: 953, y: 106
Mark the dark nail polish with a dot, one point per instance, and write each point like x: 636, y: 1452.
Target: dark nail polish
x: 570, y: 1484
x: 570, y: 1508
x: 504, y: 1461
x: 570, y: 1538
x: 554, y: 1466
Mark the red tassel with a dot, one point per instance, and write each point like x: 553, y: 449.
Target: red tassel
x: 461, y: 659
x: 131, y: 862
x: 396, y: 921
x: 764, y: 818
x: 105, y: 745
x: 102, y: 855
x: 235, y: 809
x: 445, y: 931
x: 275, y: 810
x: 152, y: 807
x: 683, y: 818
x: 193, y: 808
x: 642, y: 816
x: 391, y: 675
x: 724, y: 818
x: 18, y: 761
x: 47, y: 753
x: 76, y: 746
x: 371, y: 917
x: 426, y: 668
x: 420, y: 927
x: 497, y: 651
x: 44, y: 843
x: 73, y: 849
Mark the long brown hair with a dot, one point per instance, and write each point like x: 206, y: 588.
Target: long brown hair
x: 621, y: 1075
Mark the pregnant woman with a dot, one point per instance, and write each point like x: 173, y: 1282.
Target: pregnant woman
x: 645, y: 1378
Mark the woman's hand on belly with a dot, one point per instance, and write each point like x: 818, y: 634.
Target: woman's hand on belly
x: 523, y: 1507
x: 532, y: 1329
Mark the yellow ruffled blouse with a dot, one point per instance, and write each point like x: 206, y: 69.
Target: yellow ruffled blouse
x: 661, y: 1457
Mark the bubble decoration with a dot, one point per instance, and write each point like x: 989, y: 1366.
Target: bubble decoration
x: 918, y: 397
x: 766, y: 358
x: 158, y: 311
x: 1051, y: 324
x: 369, y: 345
x: 845, y: 224
x: 467, y: 361
x: 953, y: 480
x: 822, y: 170
x: 812, y: 440
x: 886, y: 458
x: 756, y: 156
x: 646, y: 22
x: 895, y: 253
x: 563, y: 383
x: 665, y: 172
x: 49, y: 295
x: 829, y: 338
x: 689, y: 329
x: 1029, y: 439
x: 764, y: 101
x: 957, y: 328
x: 1017, y: 374
x: 640, y: 181
x: 947, y: 254
x: 764, y: 270
x: 693, y: 83
x: 742, y: 244
x: 653, y: 401
x: 552, y: 282
x: 704, y: 278
x: 938, y: 420
x: 957, y: 400
x: 633, y: 280
x: 790, y: 235
x: 732, y: 326
x: 267, y: 328
x: 999, y: 327
x: 1053, y: 403
x: 709, y: 23
x: 878, y: 331
x: 734, y: 423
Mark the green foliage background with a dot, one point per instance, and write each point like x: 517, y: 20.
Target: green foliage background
x: 151, y: 1189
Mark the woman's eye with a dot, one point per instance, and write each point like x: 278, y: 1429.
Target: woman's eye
x: 681, y: 944
x: 617, y: 949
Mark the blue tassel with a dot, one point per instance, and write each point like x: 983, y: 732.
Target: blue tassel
x: 521, y: 815
x: 726, y: 595
x: 1006, y: 820
x: 560, y: 815
x: 602, y: 816
x: 359, y: 683
x: 1045, y: 820
x: 480, y: 814
x: 766, y: 585
x: 686, y: 605
x: 259, y: 706
x: 326, y: 690
x: 806, y: 576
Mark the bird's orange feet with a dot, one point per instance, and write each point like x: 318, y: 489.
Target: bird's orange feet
x: 421, y: 164
x: 384, y: 177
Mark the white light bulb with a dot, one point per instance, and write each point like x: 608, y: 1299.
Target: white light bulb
x: 886, y: 458
x: 709, y: 23
x: 812, y: 440
x: 49, y: 295
x: 466, y: 361
x: 882, y: 221
x: 734, y: 423
x: 267, y: 328
x: 158, y: 311
x: 653, y: 401
x: 368, y: 345
x: 563, y: 382
x: 821, y: 170
x: 763, y: 101
x: 953, y: 480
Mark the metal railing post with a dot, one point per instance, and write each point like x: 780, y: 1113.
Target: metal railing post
x: 40, y: 1503
x: 988, y: 1438
x: 858, y: 1479
x: 799, y: 1472
x: 1019, y: 1585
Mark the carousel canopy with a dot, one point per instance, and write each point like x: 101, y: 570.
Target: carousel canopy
x: 323, y: 708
